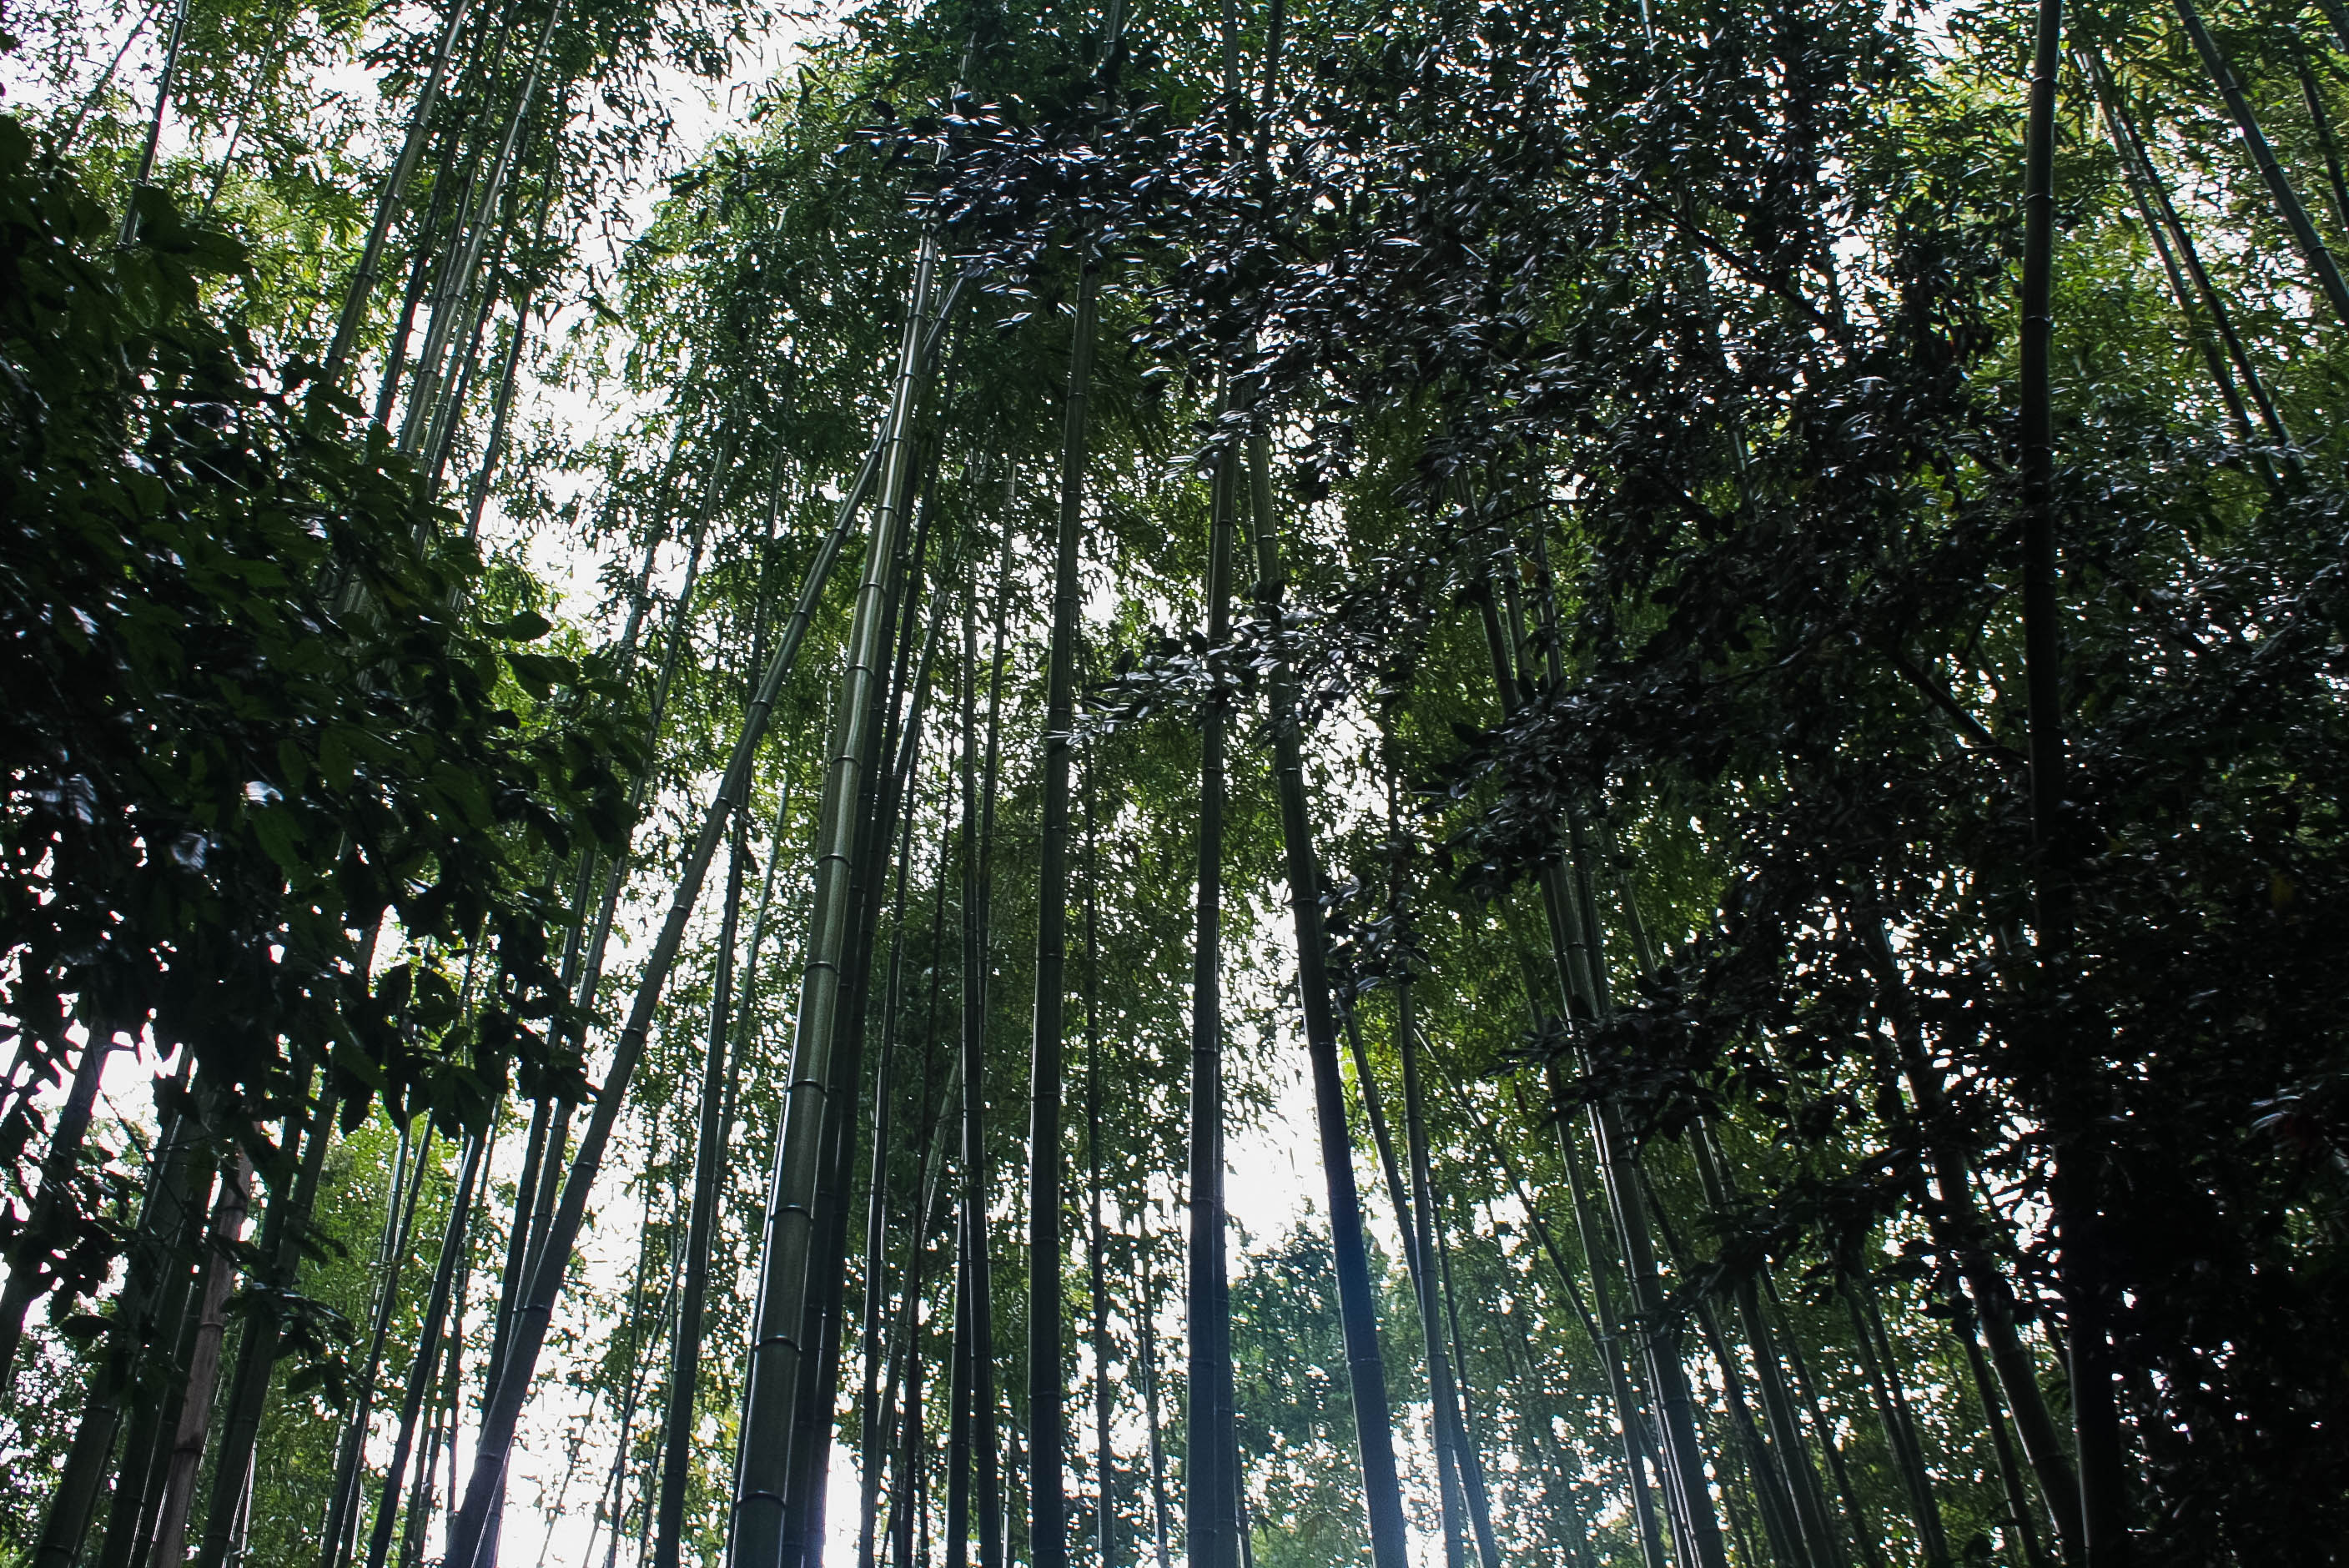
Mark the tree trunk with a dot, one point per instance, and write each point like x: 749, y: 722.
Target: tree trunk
x: 1357, y: 1310
x: 395, y: 190
x: 28, y: 1249
x: 1446, y: 1374
x: 2313, y: 251
x: 958, y: 1412
x: 503, y: 1408
x: 612, y: 1504
x: 1210, y: 1450
x: 778, y: 1365
x: 282, y: 1237
x: 194, y: 1426
x: 979, y: 1340
x: 436, y: 407
x: 923, y: 1223
x: 1047, y: 1422
x: 420, y: 269
x: 172, y: 1202
x: 2161, y: 216
x: 909, y: 1463
x: 453, y: 1244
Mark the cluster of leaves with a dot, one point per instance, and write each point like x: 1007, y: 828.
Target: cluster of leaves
x: 258, y: 710
x: 1711, y: 305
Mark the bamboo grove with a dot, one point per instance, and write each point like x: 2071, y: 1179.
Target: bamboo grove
x: 698, y: 807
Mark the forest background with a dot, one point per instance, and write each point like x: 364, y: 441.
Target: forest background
x: 723, y: 719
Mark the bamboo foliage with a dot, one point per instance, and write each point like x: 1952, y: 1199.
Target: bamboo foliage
x: 1788, y: 694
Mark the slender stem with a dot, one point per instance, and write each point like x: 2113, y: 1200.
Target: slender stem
x: 360, y: 291
x: 1210, y: 1499
x: 1096, y: 1237
x: 29, y: 1248
x: 283, y: 1232
x: 2313, y: 250
x: 780, y: 1362
x: 2146, y: 180
x: 1358, y: 1317
x: 1047, y: 1421
x: 163, y: 84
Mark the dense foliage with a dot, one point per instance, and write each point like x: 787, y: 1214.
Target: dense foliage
x: 719, y: 781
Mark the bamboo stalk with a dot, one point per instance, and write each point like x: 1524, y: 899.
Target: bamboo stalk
x: 163, y: 84
x: 709, y: 1156
x: 283, y: 1230
x: 1147, y: 1351
x: 1448, y: 1375
x: 1863, y: 1529
x: 468, y: 262
x: 1365, y: 1368
x: 502, y: 1409
x: 1096, y: 1237
x: 158, y: 1396
x: 1899, y: 1426
x: 361, y: 288
x: 172, y: 1202
x: 990, y: 1459
x: 2313, y: 250
x: 893, y: 786
x: 428, y: 1350
x: 2010, y: 1471
x: 611, y: 1503
x: 194, y: 1425
x: 1047, y: 1423
x: 419, y: 277
x: 2146, y: 182
x: 1210, y: 1462
x: 342, y: 1507
x: 779, y: 1366
x: 2322, y: 123
x: 1442, y: 1410
x: 877, y: 1213
x: 28, y: 1249
x: 105, y: 79
x: 1993, y: 1297
x: 1806, y: 1501
x: 1768, y: 1483
x: 1582, y: 978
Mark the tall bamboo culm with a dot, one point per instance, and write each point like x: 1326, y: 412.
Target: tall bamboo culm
x: 778, y: 1365
x: 1357, y: 1308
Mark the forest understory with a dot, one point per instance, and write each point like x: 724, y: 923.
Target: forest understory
x: 723, y: 721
